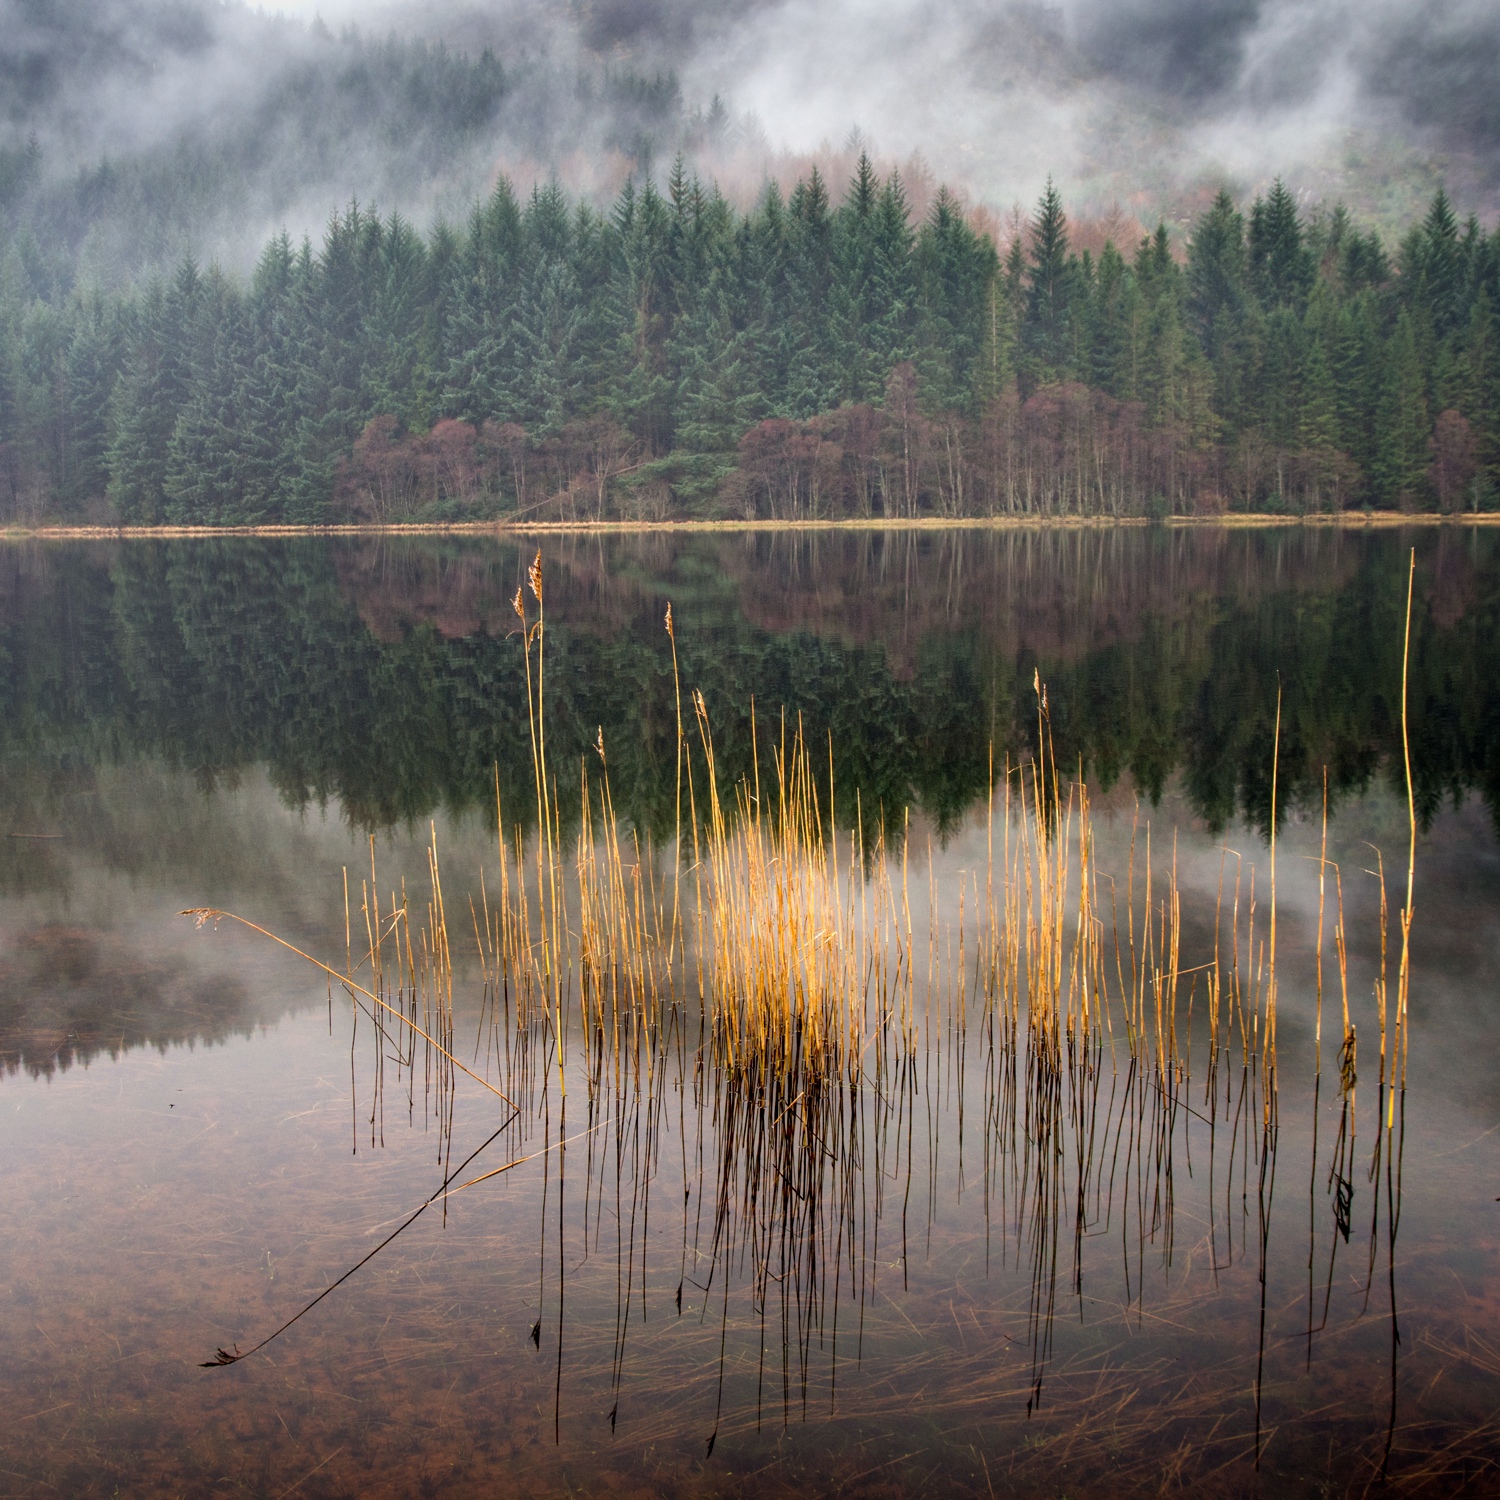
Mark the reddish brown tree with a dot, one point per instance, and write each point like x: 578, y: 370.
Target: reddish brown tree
x: 509, y: 450
x: 452, y: 449
x: 382, y: 480
x: 1454, y: 460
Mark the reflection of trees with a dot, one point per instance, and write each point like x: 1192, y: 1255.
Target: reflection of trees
x: 68, y: 993
x: 380, y: 674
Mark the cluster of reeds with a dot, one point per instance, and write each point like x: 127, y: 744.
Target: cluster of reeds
x: 797, y: 942
x: 784, y: 958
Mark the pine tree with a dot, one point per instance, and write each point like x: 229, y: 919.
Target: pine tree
x: 1216, y: 272
x: 1480, y: 398
x: 478, y: 342
x: 1363, y: 265
x: 811, y: 360
x: 38, y: 397
x: 957, y: 307
x: 399, y: 376
x: 640, y: 314
x: 1278, y: 397
x: 717, y: 403
x: 1401, y: 453
x: 1163, y: 373
x: 856, y: 298
x: 150, y: 392
x: 763, y: 263
x: 548, y: 375
x: 1318, y: 430
x: 1049, y: 286
x: 204, y: 483
x: 1280, y: 268
x: 895, y: 294
x: 1354, y: 356
x: 1113, y: 289
x: 94, y: 359
x: 331, y: 358
x: 1318, y: 424
x: 1433, y: 265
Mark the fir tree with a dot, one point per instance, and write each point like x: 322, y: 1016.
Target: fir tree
x: 1280, y: 268
x: 1401, y: 455
x: 1049, y: 286
x: 1216, y: 271
x: 94, y: 359
x: 150, y: 392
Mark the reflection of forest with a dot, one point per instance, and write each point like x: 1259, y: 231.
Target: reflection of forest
x: 95, y: 863
x: 386, y: 675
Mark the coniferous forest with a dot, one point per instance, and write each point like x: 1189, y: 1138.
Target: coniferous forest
x: 823, y: 355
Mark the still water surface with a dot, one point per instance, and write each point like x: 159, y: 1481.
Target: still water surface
x: 923, y: 1282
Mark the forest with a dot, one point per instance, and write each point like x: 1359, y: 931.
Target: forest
x: 822, y: 355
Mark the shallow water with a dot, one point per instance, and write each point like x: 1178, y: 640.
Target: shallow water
x: 958, y: 1273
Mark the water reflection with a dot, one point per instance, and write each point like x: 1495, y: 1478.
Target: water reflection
x: 65, y: 996
x: 385, y: 676
x: 990, y: 1251
x: 803, y: 1191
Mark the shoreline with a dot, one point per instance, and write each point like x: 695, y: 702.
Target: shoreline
x: 1356, y: 520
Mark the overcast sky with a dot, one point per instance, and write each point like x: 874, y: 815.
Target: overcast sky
x: 1000, y: 92
x: 1151, y: 104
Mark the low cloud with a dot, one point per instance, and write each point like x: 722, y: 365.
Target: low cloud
x: 1149, y: 104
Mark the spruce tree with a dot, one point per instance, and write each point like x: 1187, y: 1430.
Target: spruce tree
x: 956, y: 297
x: 204, y: 484
x: 94, y: 358
x: 1216, y: 271
x: 477, y: 345
x: 1434, y: 264
x: 856, y: 297
x: 811, y: 360
x: 1109, y: 323
x: 150, y: 392
x: 1280, y: 268
x: 1480, y: 400
x: 1401, y: 453
x: 399, y: 377
x: 1355, y: 360
x: 894, y: 310
x: 1049, y: 287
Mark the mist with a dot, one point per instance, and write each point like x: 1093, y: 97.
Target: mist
x: 133, y: 131
x: 1144, y: 102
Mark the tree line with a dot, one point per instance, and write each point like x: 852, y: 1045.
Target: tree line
x: 675, y: 356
